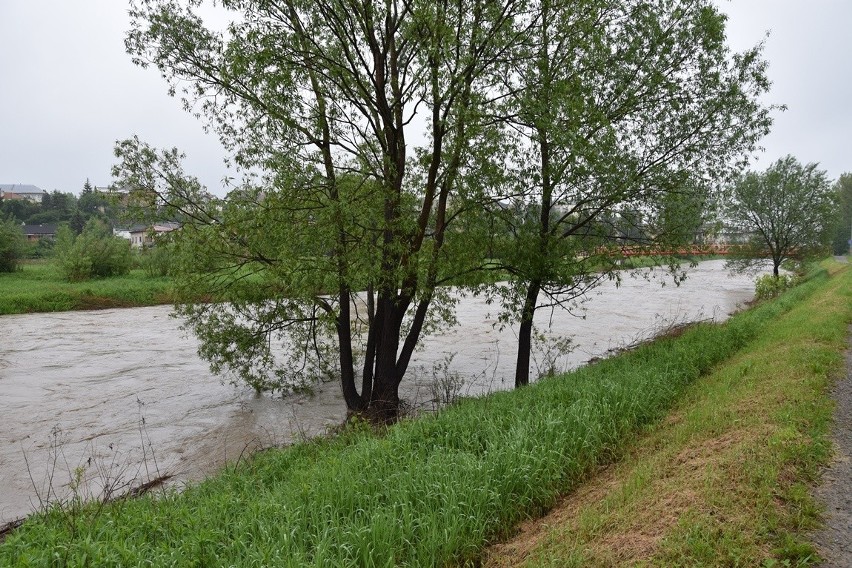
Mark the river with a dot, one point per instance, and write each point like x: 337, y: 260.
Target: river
x: 120, y: 396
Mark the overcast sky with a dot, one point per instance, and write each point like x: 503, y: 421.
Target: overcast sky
x: 68, y: 90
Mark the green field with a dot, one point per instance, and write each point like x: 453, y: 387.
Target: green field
x: 437, y: 490
x: 39, y: 287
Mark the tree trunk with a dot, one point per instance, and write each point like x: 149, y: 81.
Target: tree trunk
x: 383, y: 404
x: 522, y: 367
x: 347, y: 369
x: 370, y: 355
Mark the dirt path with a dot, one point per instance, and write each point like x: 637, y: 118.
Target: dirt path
x: 835, y: 540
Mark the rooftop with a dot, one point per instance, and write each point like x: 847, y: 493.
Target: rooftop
x: 20, y: 188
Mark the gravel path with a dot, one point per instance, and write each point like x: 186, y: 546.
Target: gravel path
x: 834, y: 541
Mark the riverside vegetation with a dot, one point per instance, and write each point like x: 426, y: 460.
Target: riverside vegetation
x: 552, y: 130
x: 436, y: 490
x: 40, y: 286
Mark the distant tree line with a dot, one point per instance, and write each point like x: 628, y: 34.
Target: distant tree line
x: 59, y: 207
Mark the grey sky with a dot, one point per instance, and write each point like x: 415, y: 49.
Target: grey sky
x: 68, y: 90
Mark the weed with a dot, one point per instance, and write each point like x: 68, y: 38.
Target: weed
x: 549, y: 354
x: 98, y: 479
x: 769, y: 286
x: 446, y: 385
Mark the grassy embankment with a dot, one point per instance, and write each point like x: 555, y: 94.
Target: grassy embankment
x: 436, y: 490
x: 724, y: 480
x: 39, y: 287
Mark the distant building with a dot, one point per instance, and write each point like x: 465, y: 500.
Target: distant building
x: 21, y: 191
x: 38, y: 232
x: 109, y: 190
x: 141, y: 236
x: 123, y: 233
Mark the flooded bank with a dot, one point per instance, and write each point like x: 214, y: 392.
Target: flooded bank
x: 121, y: 394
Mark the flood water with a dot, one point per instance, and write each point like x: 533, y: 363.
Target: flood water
x: 120, y: 395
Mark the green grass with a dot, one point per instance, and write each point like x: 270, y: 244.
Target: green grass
x: 39, y: 287
x: 724, y: 480
x: 426, y: 492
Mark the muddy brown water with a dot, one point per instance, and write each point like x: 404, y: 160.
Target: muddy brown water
x: 121, y: 396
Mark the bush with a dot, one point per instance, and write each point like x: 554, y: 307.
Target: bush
x: 12, y: 244
x: 769, y: 286
x: 95, y: 253
x: 156, y: 260
x: 42, y: 248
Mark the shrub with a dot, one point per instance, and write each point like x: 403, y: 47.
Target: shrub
x: 12, y: 244
x: 769, y: 286
x: 42, y: 248
x: 156, y: 260
x: 95, y: 253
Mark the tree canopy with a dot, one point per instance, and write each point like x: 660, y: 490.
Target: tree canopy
x: 94, y: 253
x: 786, y: 212
x: 621, y: 117
x: 386, y: 141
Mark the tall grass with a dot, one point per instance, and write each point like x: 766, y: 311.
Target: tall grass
x: 427, y: 492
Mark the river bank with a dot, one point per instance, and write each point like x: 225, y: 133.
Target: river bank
x: 39, y: 287
x: 84, y: 382
x: 426, y: 492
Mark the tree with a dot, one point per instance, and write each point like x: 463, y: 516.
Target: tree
x: 622, y: 115
x: 843, y: 231
x: 12, y: 243
x: 787, y: 212
x: 94, y: 253
x: 56, y: 207
x: 20, y: 209
x: 92, y: 203
x: 322, y: 98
